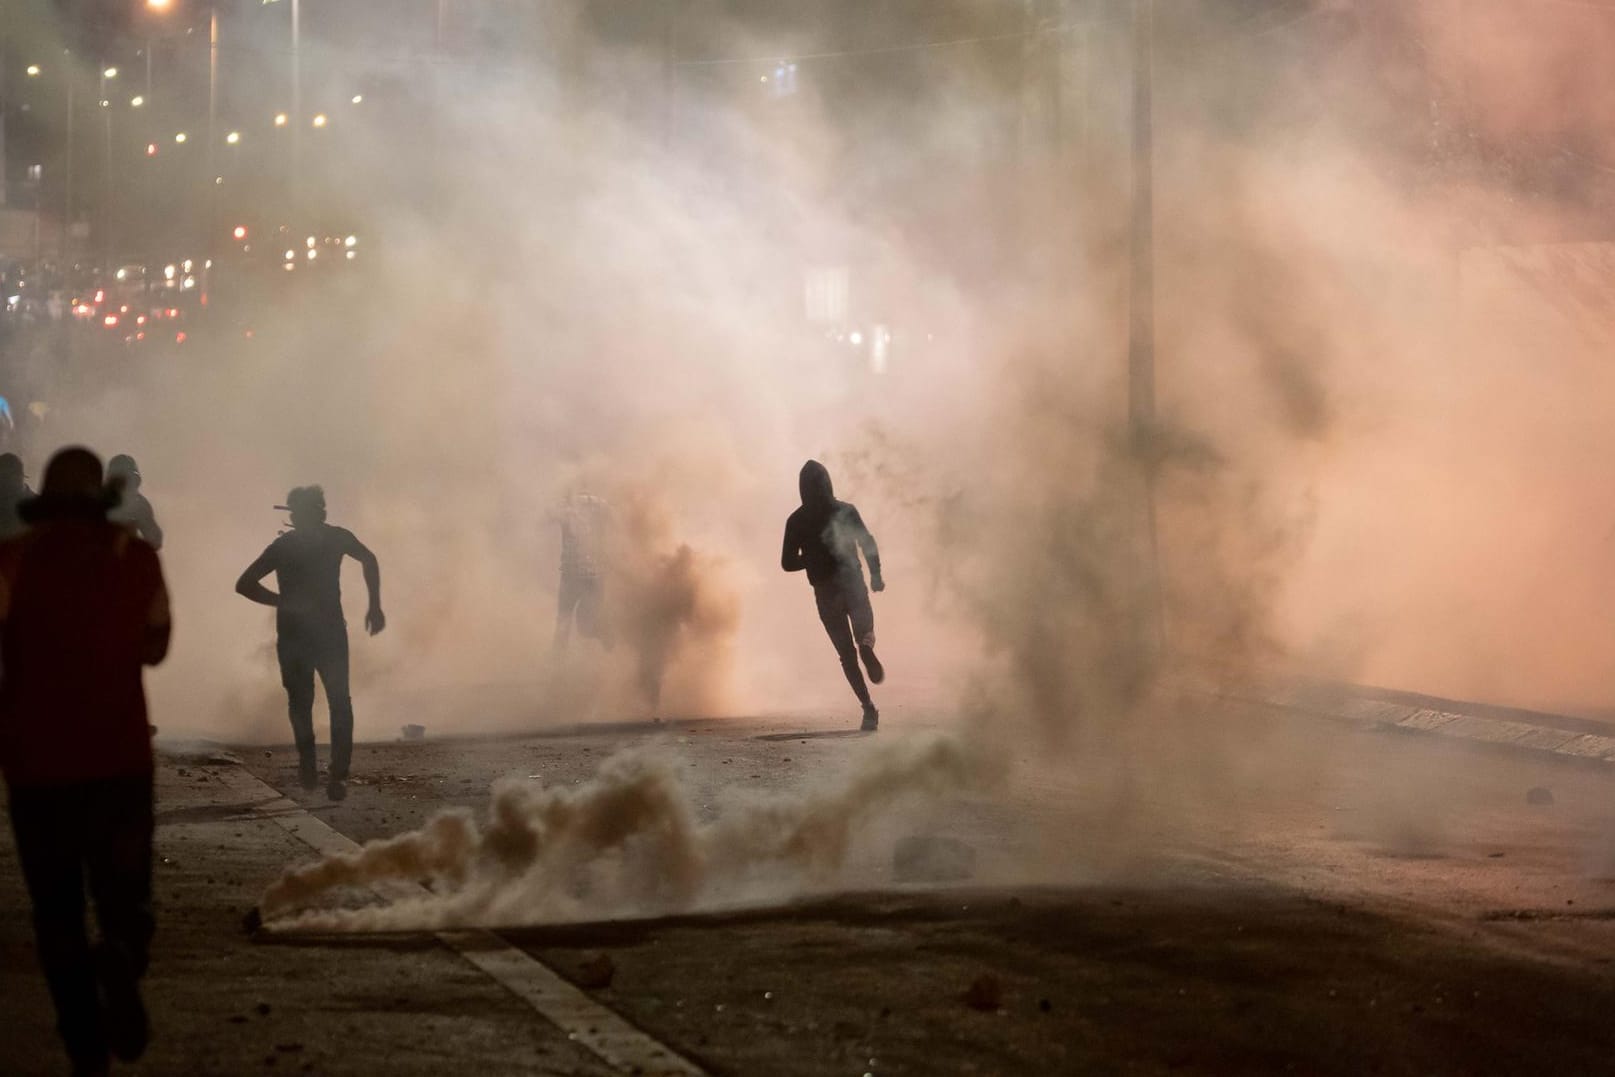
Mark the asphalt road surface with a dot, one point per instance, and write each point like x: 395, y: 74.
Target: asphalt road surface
x: 1247, y: 891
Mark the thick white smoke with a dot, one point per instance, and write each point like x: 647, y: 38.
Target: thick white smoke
x: 630, y: 841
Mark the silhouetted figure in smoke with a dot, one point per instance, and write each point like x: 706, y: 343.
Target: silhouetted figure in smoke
x: 311, y: 633
x: 13, y: 492
x: 132, y: 509
x: 824, y: 537
x: 83, y: 607
x: 583, y: 522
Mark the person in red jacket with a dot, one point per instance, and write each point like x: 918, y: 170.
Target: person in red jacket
x: 83, y: 608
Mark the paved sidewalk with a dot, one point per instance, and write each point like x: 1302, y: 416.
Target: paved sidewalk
x: 224, y: 1005
x: 1565, y: 736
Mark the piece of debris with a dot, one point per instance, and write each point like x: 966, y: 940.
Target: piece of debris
x: 414, y: 732
x: 1539, y: 795
x: 596, y: 972
x: 932, y: 859
x: 262, y: 1009
x: 985, y: 993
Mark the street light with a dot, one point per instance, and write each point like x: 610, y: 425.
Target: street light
x: 136, y: 101
x: 104, y: 225
x: 319, y: 119
x: 233, y: 137
x: 161, y: 6
x: 280, y: 119
x: 181, y: 137
x: 33, y: 71
x: 358, y: 98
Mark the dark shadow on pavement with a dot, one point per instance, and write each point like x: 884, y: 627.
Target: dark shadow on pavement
x: 817, y: 734
x: 213, y: 813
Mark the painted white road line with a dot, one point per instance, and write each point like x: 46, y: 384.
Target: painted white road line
x: 585, y: 1022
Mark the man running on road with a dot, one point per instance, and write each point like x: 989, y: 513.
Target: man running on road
x: 824, y: 537
x: 311, y: 633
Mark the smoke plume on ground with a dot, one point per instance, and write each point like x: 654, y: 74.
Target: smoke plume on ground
x: 630, y: 841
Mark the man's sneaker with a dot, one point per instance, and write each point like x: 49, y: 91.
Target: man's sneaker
x: 127, y: 1028
x: 871, y: 719
x: 307, y: 775
x: 877, y: 672
x: 336, y: 789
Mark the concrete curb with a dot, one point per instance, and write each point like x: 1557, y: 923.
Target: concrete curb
x: 1576, y: 739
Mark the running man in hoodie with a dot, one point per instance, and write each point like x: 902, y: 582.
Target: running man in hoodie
x: 824, y: 537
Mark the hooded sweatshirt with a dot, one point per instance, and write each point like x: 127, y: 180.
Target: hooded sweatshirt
x: 825, y: 535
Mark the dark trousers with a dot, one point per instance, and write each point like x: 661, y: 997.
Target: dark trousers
x: 849, y: 620
x: 304, y: 652
x: 97, y: 833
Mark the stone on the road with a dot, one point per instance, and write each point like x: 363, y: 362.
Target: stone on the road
x: 985, y: 993
x: 596, y: 972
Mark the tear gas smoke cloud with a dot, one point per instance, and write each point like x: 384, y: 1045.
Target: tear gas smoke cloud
x: 1383, y: 420
x: 628, y: 842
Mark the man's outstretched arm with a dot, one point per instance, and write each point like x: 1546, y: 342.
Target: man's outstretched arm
x: 250, y: 585
x: 374, y: 619
x: 871, y: 552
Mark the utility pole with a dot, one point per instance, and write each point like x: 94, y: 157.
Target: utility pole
x: 2, y: 130
x: 104, y: 100
x: 670, y: 70
x: 212, y: 130
x: 1141, y: 321
x: 67, y: 174
x: 297, y: 110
